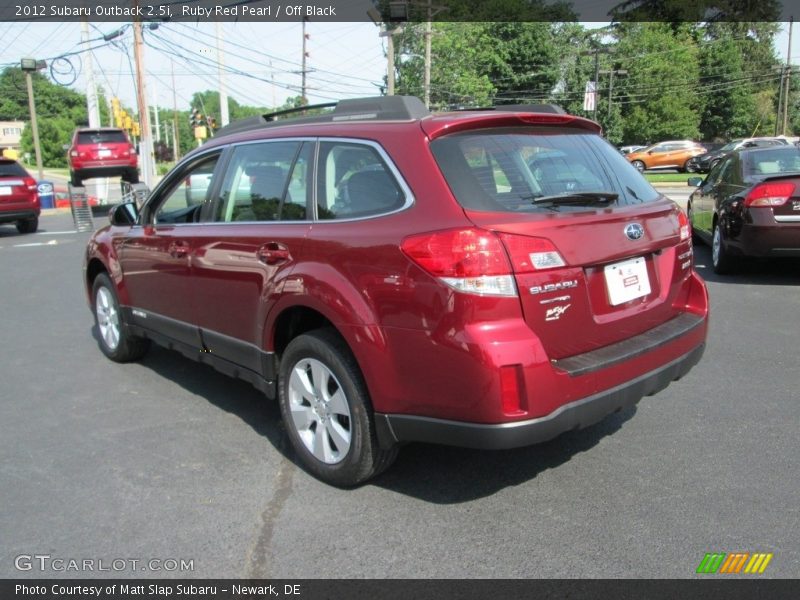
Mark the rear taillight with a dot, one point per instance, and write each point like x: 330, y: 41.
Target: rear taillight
x: 683, y: 223
x: 476, y: 261
x: 468, y: 260
x: 530, y: 254
x: 30, y: 183
x: 770, y: 194
x: 73, y: 153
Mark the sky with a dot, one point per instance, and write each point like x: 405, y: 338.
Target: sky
x: 345, y: 59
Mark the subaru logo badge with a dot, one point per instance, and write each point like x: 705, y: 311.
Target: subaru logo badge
x: 634, y: 231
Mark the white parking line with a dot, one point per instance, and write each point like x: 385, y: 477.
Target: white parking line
x: 57, y: 232
x: 50, y: 243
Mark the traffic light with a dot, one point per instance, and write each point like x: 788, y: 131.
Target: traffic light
x: 196, y: 118
x: 212, y: 122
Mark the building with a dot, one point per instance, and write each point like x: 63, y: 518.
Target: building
x: 11, y: 134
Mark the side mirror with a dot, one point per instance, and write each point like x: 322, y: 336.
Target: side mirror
x: 694, y: 181
x: 123, y: 215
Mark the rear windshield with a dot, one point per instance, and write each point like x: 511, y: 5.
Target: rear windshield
x: 783, y: 159
x: 506, y: 169
x: 12, y: 169
x: 101, y: 137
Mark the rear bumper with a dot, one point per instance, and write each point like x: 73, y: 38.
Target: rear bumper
x: 764, y: 237
x: 105, y: 170
x: 394, y: 428
x: 19, y: 214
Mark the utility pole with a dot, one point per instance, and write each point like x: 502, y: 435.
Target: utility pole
x: 92, y: 107
x: 145, y: 141
x: 788, y: 77
x: 428, y: 32
x: 611, y: 73
x: 223, y: 94
x: 303, y: 98
x: 596, y: 52
x: 155, y: 112
x: 176, y: 152
x: 29, y: 65
x: 780, y: 99
x: 390, y: 63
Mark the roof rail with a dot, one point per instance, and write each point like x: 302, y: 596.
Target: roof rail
x: 378, y: 108
x: 532, y: 108
x: 273, y: 116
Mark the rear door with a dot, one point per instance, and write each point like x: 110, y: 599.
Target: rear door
x: 249, y: 245
x: 590, y: 272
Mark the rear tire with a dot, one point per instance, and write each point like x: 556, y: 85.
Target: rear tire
x: 131, y: 176
x: 721, y: 260
x: 28, y: 225
x: 639, y: 165
x: 75, y: 179
x: 114, y: 340
x: 327, y: 411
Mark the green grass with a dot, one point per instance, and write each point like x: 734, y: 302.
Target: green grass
x: 669, y: 177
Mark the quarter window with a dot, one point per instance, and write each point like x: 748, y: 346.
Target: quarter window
x: 353, y: 182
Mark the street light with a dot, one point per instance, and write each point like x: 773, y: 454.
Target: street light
x: 30, y: 65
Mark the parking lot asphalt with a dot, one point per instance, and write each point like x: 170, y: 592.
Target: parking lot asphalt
x: 167, y: 459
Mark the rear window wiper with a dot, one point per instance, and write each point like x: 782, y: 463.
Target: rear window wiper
x: 585, y: 198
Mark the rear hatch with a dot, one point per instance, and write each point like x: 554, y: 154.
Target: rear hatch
x: 99, y: 145
x: 16, y: 185
x: 598, y: 255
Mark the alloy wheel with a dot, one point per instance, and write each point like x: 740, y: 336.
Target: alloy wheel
x: 320, y: 411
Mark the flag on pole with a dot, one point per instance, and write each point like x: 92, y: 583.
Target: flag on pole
x: 590, y: 96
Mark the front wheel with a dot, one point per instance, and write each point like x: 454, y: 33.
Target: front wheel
x: 721, y: 260
x: 114, y: 339
x: 639, y: 165
x: 327, y: 411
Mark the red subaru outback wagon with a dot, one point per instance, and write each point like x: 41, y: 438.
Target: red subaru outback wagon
x: 487, y: 278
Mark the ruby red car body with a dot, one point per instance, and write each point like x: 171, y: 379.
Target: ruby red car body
x: 101, y: 152
x: 491, y: 371
x: 19, y: 197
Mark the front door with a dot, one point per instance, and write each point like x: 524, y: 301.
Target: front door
x: 156, y: 256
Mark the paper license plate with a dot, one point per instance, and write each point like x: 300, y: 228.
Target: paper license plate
x: 104, y: 153
x: 627, y: 280
x: 5, y: 190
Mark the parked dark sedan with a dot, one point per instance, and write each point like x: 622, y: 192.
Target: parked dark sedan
x: 749, y: 205
x: 705, y: 162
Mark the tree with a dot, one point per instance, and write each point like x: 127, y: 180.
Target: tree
x: 463, y: 55
x: 659, y: 94
x: 59, y: 110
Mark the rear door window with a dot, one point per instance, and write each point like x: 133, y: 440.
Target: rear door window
x: 266, y: 182
x: 507, y: 169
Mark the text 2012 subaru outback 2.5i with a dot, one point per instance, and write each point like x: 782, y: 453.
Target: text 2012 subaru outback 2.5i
x: 486, y: 279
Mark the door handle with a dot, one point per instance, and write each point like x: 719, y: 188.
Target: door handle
x: 178, y: 249
x: 273, y: 253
